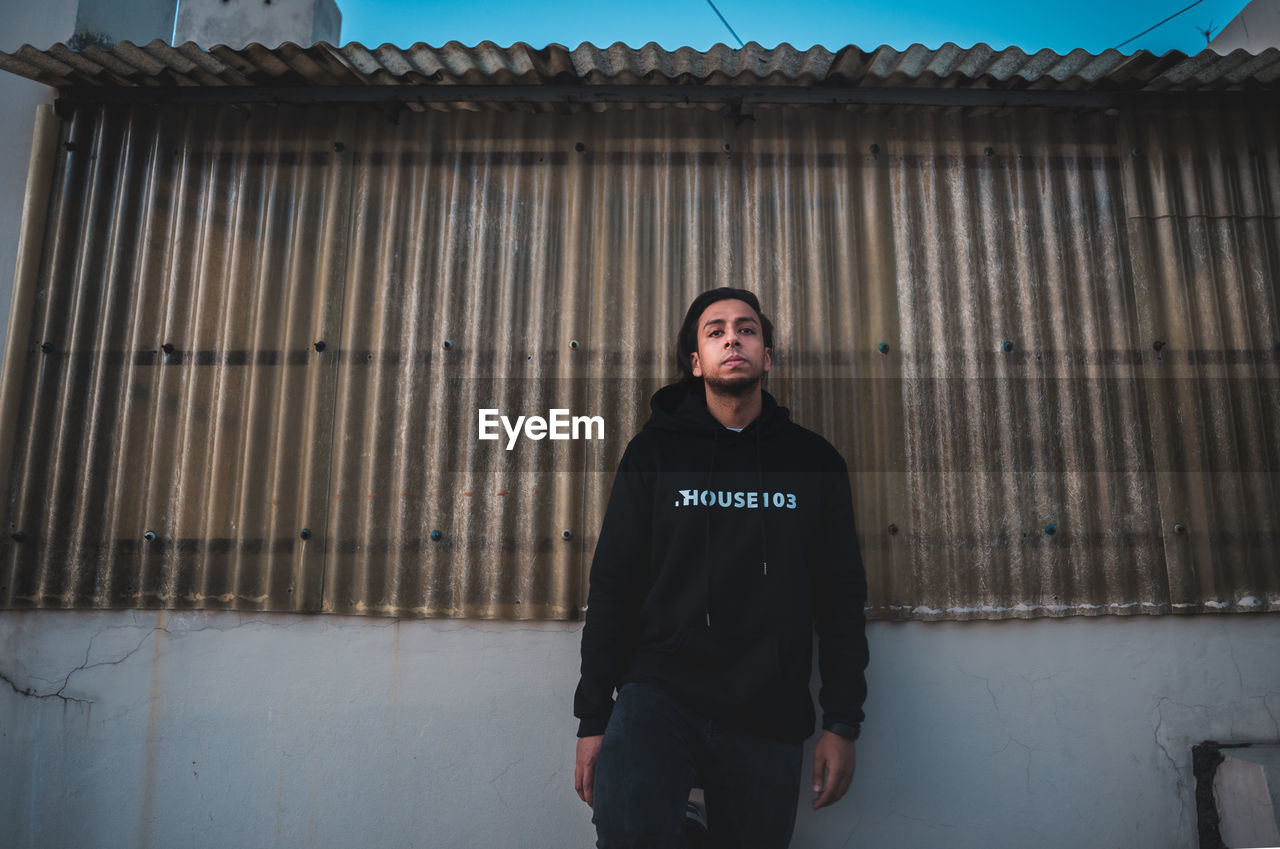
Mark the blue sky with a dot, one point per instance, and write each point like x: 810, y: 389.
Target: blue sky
x: 1092, y: 24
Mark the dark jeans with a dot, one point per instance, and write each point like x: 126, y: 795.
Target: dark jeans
x: 655, y: 750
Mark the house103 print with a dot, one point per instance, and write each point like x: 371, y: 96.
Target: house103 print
x: 560, y: 424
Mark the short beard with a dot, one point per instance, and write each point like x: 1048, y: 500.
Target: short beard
x: 734, y: 387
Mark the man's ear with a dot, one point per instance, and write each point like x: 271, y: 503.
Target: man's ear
x: 768, y: 359
x: 697, y: 366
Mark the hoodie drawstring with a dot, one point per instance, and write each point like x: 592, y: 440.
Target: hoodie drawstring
x: 763, y: 523
x: 764, y: 531
x: 715, y: 443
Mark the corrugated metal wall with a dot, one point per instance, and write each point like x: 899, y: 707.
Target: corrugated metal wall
x: 968, y: 306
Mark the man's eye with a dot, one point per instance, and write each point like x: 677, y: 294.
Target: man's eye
x: 715, y: 332
x: 747, y: 330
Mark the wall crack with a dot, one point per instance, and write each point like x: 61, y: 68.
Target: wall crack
x: 60, y: 692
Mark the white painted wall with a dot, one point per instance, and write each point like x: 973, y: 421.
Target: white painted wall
x: 139, y: 21
x: 147, y: 729
x: 1255, y: 29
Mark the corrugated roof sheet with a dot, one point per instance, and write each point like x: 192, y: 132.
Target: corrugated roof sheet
x: 947, y: 67
x: 244, y: 322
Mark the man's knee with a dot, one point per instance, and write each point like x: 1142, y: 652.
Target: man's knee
x: 638, y: 805
x: 622, y: 826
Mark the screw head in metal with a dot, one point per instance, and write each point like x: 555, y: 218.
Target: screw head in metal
x: 573, y: 344
x: 436, y: 536
x: 338, y: 147
x: 875, y: 148
x: 1158, y: 345
x: 1179, y: 528
x: 320, y: 347
x: 1007, y: 347
x: 1050, y: 530
x: 566, y: 534
x: 47, y: 347
x: 447, y: 344
x: 883, y: 347
x: 167, y: 347
x: 893, y: 530
x: 990, y: 151
x: 149, y: 536
x: 580, y: 147
x: 305, y: 533
x: 1135, y: 153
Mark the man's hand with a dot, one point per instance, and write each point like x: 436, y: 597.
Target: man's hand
x: 834, y: 759
x: 584, y: 771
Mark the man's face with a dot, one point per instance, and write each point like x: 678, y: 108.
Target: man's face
x: 731, y: 356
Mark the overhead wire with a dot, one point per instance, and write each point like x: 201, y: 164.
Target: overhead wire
x: 1148, y: 29
x: 726, y: 23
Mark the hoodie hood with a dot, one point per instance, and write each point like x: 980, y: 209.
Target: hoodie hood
x: 683, y: 409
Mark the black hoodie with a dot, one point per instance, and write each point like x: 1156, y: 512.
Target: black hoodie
x: 719, y: 554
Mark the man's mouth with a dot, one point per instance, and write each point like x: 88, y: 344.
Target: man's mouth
x: 733, y: 361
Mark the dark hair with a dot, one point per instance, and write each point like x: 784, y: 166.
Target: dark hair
x: 687, y: 339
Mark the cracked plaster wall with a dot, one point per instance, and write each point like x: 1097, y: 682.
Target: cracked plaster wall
x: 153, y: 729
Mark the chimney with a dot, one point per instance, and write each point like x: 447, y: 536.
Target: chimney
x: 236, y: 23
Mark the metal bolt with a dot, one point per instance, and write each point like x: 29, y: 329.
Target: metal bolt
x: 149, y: 536
x: 726, y: 147
x: 1179, y: 528
x: 167, y: 348
x: 306, y: 533
x: 875, y: 148
x: 990, y: 151
x: 320, y: 347
x: 1135, y: 153
x: 1158, y: 345
x: 883, y: 347
x: 893, y: 530
x: 436, y: 536
x: 1050, y: 530
x: 1008, y: 347
x: 448, y: 345
x: 338, y: 147
x: 580, y: 147
x: 573, y: 344
x: 47, y: 347
x: 566, y: 534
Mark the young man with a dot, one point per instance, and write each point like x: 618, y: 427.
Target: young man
x: 728, y: 538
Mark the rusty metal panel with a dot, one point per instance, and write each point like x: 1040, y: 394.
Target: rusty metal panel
x: 1204, y: 223
x: 174, y: 416
x: 979, y: 67
x: 965, y: 306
